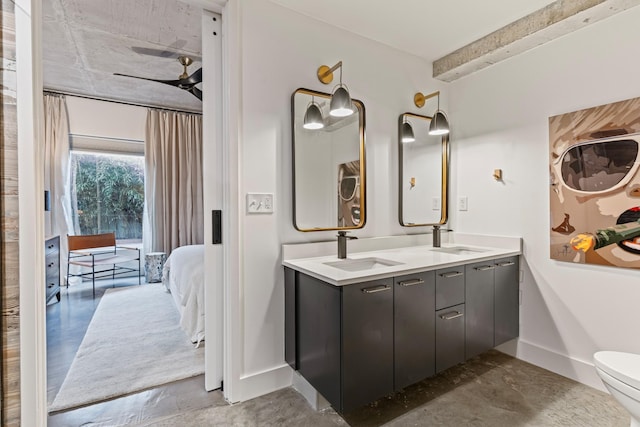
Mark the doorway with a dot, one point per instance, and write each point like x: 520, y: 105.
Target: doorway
x: 33, y: 383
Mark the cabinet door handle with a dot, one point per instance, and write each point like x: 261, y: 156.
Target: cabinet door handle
x: 485, y: 268
x: 374, y: 289
x: 411, y: 282
x: 505, y: 264
x: 451, y: 274
x: 50, y: 246
x: 451, y: 315
x: 51, y: 264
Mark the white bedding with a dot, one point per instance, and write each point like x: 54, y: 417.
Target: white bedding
x: 183, y: 276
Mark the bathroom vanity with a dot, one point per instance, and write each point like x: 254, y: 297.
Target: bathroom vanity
x: 360, y: 328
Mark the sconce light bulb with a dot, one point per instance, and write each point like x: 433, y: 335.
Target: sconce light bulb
x: 407, y: 133
x: 340, y: 105
x: 313, y: 117
x: 439, y: 125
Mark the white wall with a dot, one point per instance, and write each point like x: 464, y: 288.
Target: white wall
x: 499, y: 120
x: 281, y: 51
x: 105, y: 119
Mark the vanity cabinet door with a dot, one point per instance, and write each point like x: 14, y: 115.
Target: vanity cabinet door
x: 414, y: 328
x: 507, y: 310
x: 367, y: 342
x: 479, y: 303
x: 449, y: 337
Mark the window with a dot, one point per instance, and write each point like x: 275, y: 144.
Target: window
x: 107, y: 193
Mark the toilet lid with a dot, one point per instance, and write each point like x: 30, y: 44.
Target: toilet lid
x: 624, y: 367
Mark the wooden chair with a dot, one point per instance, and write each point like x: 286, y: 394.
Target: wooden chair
x: 98, y: 251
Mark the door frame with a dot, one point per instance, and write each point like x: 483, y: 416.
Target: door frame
x: 33, y: 372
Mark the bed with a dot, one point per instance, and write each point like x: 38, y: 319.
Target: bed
x: 183, y: 276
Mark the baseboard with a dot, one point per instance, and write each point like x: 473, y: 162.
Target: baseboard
x: 315, y: 399
x: 267, y: 381
x: 578, y: 370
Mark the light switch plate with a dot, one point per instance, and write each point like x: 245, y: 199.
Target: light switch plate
x: 259, y: 203
x: 463, y: 203
x: 435, y: 203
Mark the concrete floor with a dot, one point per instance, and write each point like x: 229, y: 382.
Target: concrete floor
x: 490, y: 390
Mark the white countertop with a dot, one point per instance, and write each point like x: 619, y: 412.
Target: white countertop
x: 409, y: 259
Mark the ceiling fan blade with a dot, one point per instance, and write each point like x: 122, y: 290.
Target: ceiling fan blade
x: 167, y: 82
x: 193, y: 79
x: 196, y: 92
x: 161, y: 53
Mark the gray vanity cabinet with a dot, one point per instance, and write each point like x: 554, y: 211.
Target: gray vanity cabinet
x: 360, y: 342
x: 414, y: 328
x: 507, y: 299
x: 479, y: 300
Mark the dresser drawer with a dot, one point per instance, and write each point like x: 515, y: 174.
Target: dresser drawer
x: 52, y: 246
x: 449, y: 287
x: 52, y: 265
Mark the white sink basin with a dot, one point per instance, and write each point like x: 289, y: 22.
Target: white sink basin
x: 361, y: 264
x: 459, y: 250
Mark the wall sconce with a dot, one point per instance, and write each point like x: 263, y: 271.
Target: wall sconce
x: 406, y: 132
x: 313, y: 116
x: 439, y: 123
x: 340, y: 105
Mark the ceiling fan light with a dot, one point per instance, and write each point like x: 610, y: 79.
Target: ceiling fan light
x: 340, y: 105
x: 406, y: 133
x: 313, y: 117
x: 439, y: 124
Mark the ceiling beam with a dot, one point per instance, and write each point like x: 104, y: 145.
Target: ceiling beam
x: 554, y: 20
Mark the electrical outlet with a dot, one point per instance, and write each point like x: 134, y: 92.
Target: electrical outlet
x: 259, y: 203
x: 463, y: 203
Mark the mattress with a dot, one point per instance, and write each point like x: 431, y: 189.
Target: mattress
x: 183, y: 276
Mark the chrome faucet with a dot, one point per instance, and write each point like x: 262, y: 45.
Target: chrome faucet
x: 342, y: 243
x: 436, y: 236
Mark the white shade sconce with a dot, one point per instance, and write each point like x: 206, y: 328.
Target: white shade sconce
x: 439, y: 123
x: 406, y: 132
x: 313, y: 116
x: 340, y: 105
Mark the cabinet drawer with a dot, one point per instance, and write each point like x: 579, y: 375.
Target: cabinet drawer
x: 52, y: 246
x: 449, y: 287
x: 449, y: 337
x: 52, y: 266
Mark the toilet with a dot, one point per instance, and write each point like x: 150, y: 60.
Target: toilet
x: 620, y: 373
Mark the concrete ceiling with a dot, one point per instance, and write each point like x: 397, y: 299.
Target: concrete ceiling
x: 86, y: 41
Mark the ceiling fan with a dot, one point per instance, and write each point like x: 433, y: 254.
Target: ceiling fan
x: 185, y: 81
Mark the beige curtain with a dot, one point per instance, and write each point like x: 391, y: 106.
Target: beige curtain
x: 58, y: 221
x: 173, y: 180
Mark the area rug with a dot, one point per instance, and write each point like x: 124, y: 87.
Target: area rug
x: 133, y: 343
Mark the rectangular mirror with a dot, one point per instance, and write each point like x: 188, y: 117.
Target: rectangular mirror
x: 423, y: 167
x: 328, y: 165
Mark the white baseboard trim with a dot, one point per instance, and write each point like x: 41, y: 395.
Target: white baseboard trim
x: 579, y: 370
x: 267, y: 381
x: 315, y: 399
